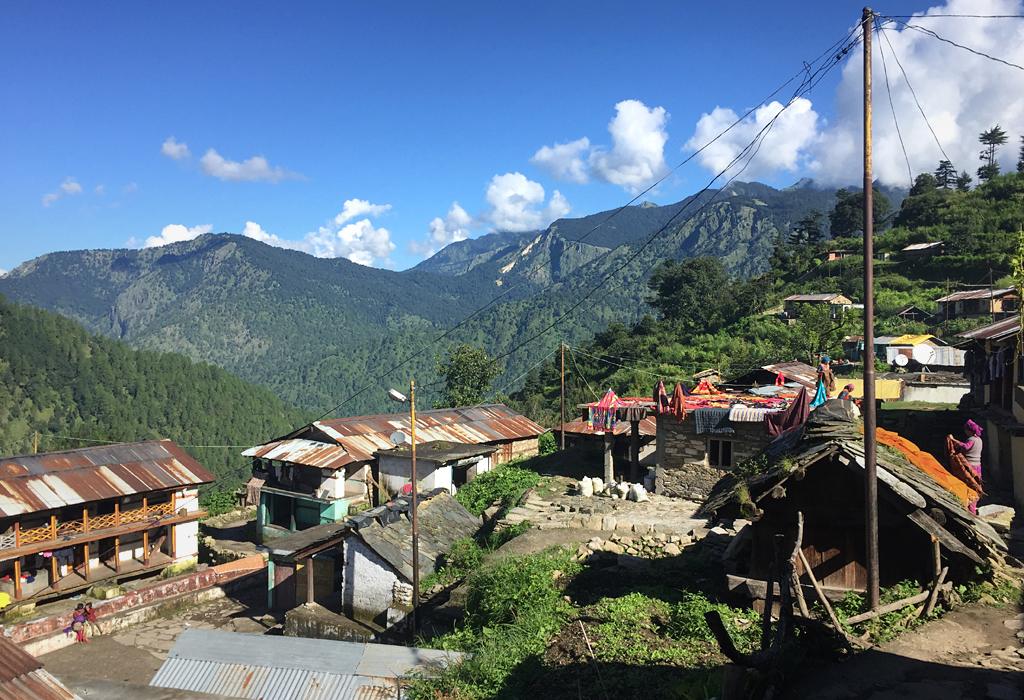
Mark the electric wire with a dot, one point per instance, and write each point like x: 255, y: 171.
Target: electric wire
x: 836, y: 51
x: 892, y: 107
x: 575, y: 364
x: 935, y: 35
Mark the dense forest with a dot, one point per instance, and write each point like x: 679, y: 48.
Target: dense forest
x: 68, y: 388
x: 706, y: 318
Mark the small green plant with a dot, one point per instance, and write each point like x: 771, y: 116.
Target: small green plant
x: 219, y: 502
x: 496, y: 538
x: 885, y: 627
x: 506, y: 483
x: 752, y: 466
x: 546, y: 444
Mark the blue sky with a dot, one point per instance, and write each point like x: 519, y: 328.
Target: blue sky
x: 398, y: 109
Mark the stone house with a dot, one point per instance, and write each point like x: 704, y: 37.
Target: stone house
x: 71, y: 519
x: 314, y: 475
x: 362, y: 568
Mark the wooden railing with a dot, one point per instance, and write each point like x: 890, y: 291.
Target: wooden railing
x: 58, y: 530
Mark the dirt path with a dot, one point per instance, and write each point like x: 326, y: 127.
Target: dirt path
x: 970, y: 653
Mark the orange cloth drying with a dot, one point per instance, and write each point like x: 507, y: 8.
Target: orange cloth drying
x: 928, y: 464
x: 704, y: 387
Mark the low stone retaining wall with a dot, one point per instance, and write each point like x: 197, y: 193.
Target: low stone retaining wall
x: 46, y: 634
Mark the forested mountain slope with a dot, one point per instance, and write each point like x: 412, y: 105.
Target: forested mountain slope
x: 317, y: 331
x: 63, y: 382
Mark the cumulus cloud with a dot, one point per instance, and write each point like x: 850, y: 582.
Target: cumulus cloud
x: 354, y: 208
x: 961, y: 93
x: 360, y: 241
x: 786, y: 147
x: 174, y: 149
x: 3, y: 272
x: 69, y: 187
x: 100, y: 189
x: 451, y: 228
x: 176, y: 233
x: 516, y: 203
x: 635, y: 159
x: 255, y: 169
x: 565, y: 161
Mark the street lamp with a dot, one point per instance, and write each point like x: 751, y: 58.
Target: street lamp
x: 411, y: 400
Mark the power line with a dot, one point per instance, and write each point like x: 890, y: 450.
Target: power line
x: 835, y: 51
x: 959, y: 16
x: 976, y: 52
x: 913, y: 93
x: 892, y: 107
x: 572, y: 358
x: 121, y: 442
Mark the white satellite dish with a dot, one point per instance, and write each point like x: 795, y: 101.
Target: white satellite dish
x: 901, y: 360
x: 399, y: 438
x: 924, y: 354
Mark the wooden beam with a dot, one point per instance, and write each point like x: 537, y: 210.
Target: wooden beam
x: 933, y: 597
x: 53, y: 526
x: 117, y: 513
x: 117, y: 555
x: 85, y: 550
x: 145, y: 547
x: 928, y: 524
x: 170, y: 542
x: 893, y: 607
x: 85, y: 519
x: 17, y: 578
x: 54, y: 574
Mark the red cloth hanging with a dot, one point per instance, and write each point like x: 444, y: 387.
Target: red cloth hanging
x: 677, y: 405
x: 780, y: 379
x: 661, y: 402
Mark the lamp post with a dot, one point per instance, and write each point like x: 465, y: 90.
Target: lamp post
x: 411, y: 400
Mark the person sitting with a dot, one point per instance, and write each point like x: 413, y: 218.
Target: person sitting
x: 847, y: 393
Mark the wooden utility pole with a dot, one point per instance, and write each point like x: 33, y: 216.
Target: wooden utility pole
x: 870, y: 407
x: 415, y: 515
x: 562, y: 400
x: 35, y: 442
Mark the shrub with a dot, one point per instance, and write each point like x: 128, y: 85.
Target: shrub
x: 219, y: 502
x: 506, y: 483
x: 546, y: 444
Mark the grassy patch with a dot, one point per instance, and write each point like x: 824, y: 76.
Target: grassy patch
x: 506, y: 483
x: 466, y: 555
x: 885, y: 627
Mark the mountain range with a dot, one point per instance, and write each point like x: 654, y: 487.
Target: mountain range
x: 317, y: 331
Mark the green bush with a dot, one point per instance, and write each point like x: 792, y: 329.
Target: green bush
x: 219, y: 502
x: 496, y: 538
x: 546, y: 444
x: 506, y: 483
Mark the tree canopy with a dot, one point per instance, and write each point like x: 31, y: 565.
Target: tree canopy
x: 467, y: 372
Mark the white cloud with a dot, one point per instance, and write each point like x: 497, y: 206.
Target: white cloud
x: 785, y: 146
x: 961, y: 93
x: 130, y: 188
x: 174, y: 149
x: 635, y: 159
x: 565, y: 161
x: 453, y: 227
x: 69, y: 187
x: 255, y: 169
x: 637, y: 155
x: 176, y: 233
x: 100, y: 189
x: 3, y: 272
x: 360, y: 241
x: 515, y: 203
x: 354, y: 208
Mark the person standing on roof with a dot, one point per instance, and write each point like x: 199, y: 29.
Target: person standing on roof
x: 971, y: 450
x: 825, y: 376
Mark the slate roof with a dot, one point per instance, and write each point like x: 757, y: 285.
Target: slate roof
x: 828, y: 439
x: 442, y: 521
x: 240, y: 665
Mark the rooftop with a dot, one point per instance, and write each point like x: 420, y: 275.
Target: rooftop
x: 921, y: 246
x: 994, y: 331
x: 39, y: 482
x: 440, y: 451
x: 976, y: 294
x: 22, y: 676
x: 817, y: 297
x: 291, y: 668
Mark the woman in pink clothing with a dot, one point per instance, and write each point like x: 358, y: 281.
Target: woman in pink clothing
x: 971, y: 450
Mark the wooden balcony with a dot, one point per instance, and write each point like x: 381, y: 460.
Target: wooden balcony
x: 59, y: 533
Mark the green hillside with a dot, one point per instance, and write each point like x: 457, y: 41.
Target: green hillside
x: 316, y: 331
x: 62, y: 382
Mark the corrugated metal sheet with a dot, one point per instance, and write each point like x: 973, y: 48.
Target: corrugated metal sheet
x: 289, y: 668
x: 994, y: 331
x: 798, y: 372
x: 31, y: 483
x: 837, y: 298
x: 310, y: 453
x: 921, y: 246
x: 22, y: 676
x: 911, y: 339
x: 976, y: 294
x: 648, y: 427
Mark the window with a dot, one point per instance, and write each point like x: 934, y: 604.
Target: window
x: 720, y: 453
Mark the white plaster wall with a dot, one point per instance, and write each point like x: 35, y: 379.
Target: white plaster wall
x: 187, y: 499
x: 396, y: 473
x: 131, y: 547
x: 368, y: 581
x: 935, y: 394
x: 186, y: 540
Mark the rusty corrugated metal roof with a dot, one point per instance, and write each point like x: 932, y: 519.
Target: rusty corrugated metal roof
x: 39, y: 482
x: 311, y: 453
x: 648, y: 427
x: 799, y: 372
x: 994, y: 331
x: 976, y: 294
x: 22, y: 676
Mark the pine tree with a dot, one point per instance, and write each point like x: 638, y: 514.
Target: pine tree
x: 808, y: 229
x: 963, y: 182
x: 945, y: 174
x: 991, y: 140
x: 1020, y: 157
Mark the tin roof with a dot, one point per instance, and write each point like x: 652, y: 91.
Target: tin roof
x: 921, y: 246
x: 818, y: 297
x: 23, y: 677
x: 799, y: 372
x: 976, y: 294
x: 648, y: 427
x: 994, y: 331
x: 31, y: 483
x: 311, y: 453
x: 362, y: 436
x: 440, y: 451
x: 913, y: 339
x: 291, y: 668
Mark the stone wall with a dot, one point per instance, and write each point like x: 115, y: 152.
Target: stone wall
x: 683, y: 470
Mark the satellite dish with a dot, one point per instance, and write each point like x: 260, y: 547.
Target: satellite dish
x: 925, y: 354
x: 399, y: 438
x: 901, y: 360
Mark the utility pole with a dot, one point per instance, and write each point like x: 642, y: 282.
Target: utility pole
x: 415, y: 515
x: 561, y: 430
x: 870, y: 419
x: 35, y: 442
